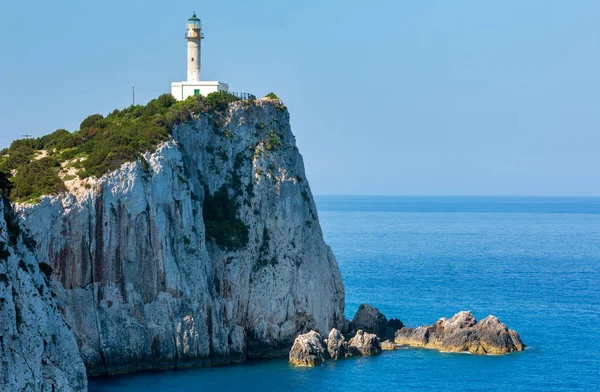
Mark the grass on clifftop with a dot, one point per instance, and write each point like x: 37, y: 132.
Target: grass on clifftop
x: 101, y: 145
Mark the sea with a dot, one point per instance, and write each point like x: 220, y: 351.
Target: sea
x: 534, y: 262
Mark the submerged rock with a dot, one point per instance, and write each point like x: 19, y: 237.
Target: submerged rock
x: 368, y: 318
x: 308, y: 350
x: 463, y: 333
x: 364, y: 344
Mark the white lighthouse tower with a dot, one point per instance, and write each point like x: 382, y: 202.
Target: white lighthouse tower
x: 194, y: 38
x: 193, y: 85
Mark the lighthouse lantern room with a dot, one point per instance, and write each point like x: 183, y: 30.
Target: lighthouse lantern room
x: 194, y: 85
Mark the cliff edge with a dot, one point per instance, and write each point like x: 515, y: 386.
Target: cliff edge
x: 206, y: 251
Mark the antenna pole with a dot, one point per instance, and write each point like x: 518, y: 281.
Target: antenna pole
x: 133, y: 96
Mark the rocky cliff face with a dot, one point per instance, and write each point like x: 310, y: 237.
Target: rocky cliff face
x: 144, y: 287
x: 37, y: 350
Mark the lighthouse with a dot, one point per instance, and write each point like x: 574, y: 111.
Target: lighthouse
x: 194, y: 85
x: 194, y: 38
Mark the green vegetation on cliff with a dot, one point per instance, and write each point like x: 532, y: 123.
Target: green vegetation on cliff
x: 38, y: 166
x: 38, y: 177
x: 220, y: 219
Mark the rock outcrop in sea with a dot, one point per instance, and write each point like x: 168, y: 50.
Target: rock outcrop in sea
x: 207, y: 251
x: 337, y: 347
x: 310, y: 349
x: 370, y: 319
x: 38, y: 352
x: 462, y: 333
x: 364, y: 344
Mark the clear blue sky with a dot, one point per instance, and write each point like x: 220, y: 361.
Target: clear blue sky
x: 386, y: 97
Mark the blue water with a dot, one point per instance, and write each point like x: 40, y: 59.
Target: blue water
x: 533, y: 262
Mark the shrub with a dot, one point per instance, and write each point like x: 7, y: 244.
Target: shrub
x: 105, y: 143
x: 29, y: 143
x: 90, y: 121
x: 59, y: 140
x: 222, y: 224
x: 271, y: 95
x: 264, y: 250
x: 145, y: 165
x: 39, y: 177
x: 166, y: 100
x: 249, y: 102
x: 105, y: 160
x: 5, y: 185
x: 272, y: 141
x: 17, y: 155
x: 219, y: 101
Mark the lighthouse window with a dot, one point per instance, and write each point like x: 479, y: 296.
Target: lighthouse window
x: 192, y: 59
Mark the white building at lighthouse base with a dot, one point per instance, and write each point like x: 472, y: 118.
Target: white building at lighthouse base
x: 182, y: 90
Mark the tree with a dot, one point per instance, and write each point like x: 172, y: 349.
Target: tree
x: 90, y: 121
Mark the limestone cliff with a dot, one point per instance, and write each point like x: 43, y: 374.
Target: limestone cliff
x: 37, y: 350
x: 142, y: 284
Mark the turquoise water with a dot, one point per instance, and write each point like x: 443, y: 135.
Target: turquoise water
x: 533, y: 262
